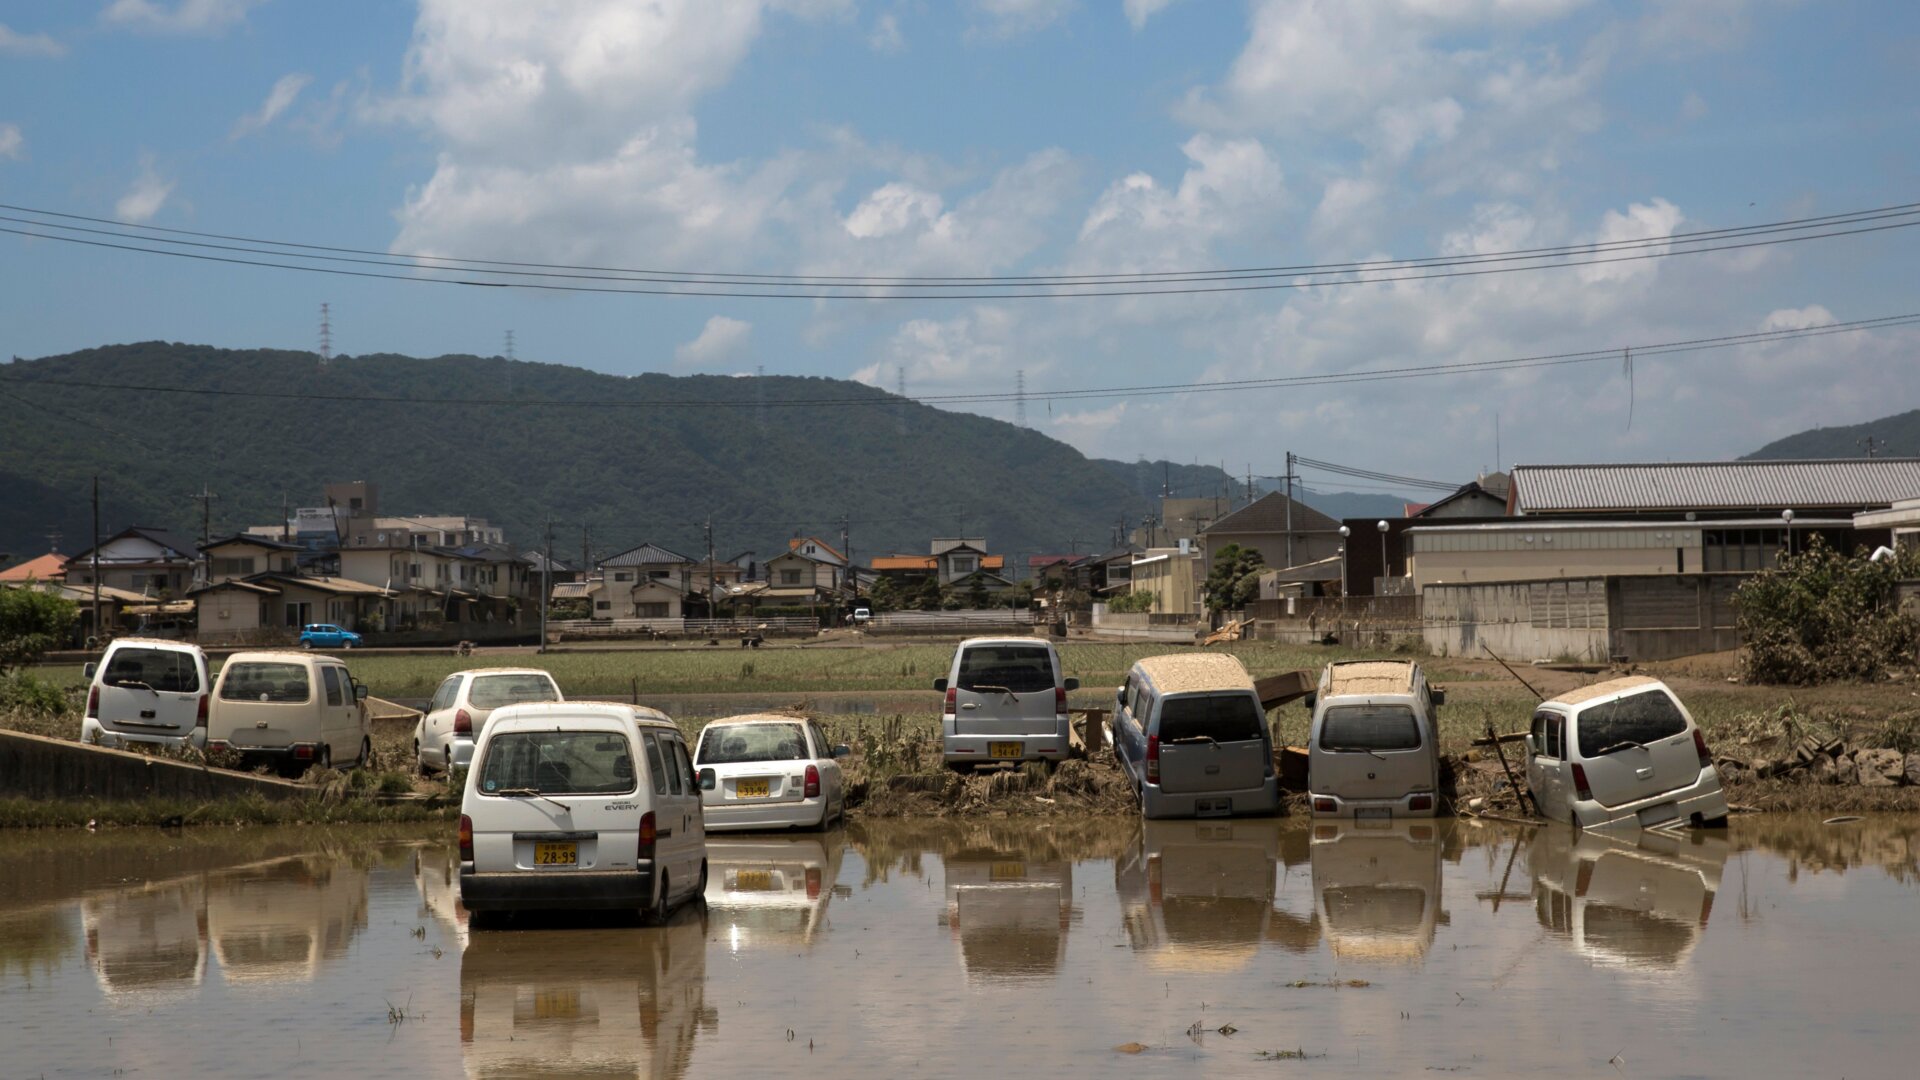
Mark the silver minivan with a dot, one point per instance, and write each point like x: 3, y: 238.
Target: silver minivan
x: 147, y: 690
x: 1190, y: 734
x: 1005, y: 701
x: 1373, y: 750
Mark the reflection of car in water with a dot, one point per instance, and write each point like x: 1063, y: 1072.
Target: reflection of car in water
x: 276, y: 921
x: 1199, y: 895
x: 436, y: 873
x: 1009, y: 912
x: 771, y: 887
x: 148, y: 940
x: 573, y: 1002
x: 1379, y: 888
x: 1640, y: 900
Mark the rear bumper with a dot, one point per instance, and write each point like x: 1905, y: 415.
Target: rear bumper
x: 460, y: 752
x: 94, y: 733
x: 1247, y: 802
x: 1049, y: 745
x: 1704, y: 799
x: 735, y: 816
x: 1392, y: 809
x: 277, y: 756
x: 535, y: 890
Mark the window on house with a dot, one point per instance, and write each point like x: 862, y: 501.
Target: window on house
x: 965, y: 564
x: 659, y: 575
x: 232, y: 567
x: 789, y: 577
x: 650, y: 611
x: 623, y: 575
x: 601, y: 605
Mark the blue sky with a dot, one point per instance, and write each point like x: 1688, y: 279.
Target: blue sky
x: 1015, y: 137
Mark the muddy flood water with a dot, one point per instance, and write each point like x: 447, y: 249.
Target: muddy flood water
x: 1781, y: 947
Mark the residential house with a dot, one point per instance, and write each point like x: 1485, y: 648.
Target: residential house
x: 49, y: 567
x: 151, y: 562
x: 809, y: 572
x: 1175, y: 578
x: 960, y: 563
x: 244, y: 555
x: 1485, y: 497
x: 1286, y: 532
x: 1110, y: 574
x: 274, y: 605
x: 644, y: 582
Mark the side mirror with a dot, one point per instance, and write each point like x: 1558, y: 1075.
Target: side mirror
x: 359, y: 691
x: 1309, y: 700
x: 843, y: 751
x: 706, y: 779
x: 1438, y: 695
x: 1073, y: 684
x: 1533, y: 748
x: 940, y: 684
x: 89, y: 669
x: 1119, y: 698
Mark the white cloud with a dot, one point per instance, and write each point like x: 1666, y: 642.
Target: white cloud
x: 1798, y: 318
x: 11, y: 141
x: 971, y: 350
x: 722, y: 341
x: 1013, y: 18
x: 1693, y: 106
x: 1139, y: 11
x: 184, y: 17
x: 891, y: 209
x: 146, y: 196
x: 1091, y: 422
x: 1641, y: 221
x: 1137, y: 224
x: 885, y: 36
x: 14, y: 43
x: 279, y: 99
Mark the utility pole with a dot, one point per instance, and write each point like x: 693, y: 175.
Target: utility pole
x: 509, y: 363
x: 846, y: 552
x: 326, y: 332
x: 710, y: 575
x: 286, y: 519
x: 1290, y: 561
x: 1020, y: 398
x: 1872, y: 445
x: 205, y: 499
x: 97, y: 633
x: 1249, y: 484
x: 546, y: 587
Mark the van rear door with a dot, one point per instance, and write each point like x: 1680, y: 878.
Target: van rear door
x: 1635, y: 747
x: 1212, y: 742
x: 559, y: 799
x: 151, y: 692
x: 1005, y: 688
x: 267, y: 704
x: 1370, y: 751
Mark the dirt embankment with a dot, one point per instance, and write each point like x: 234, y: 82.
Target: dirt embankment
x: 1072, y: 788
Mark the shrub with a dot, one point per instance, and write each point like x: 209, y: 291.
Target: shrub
x: 22, y: 693
x: 1821, y: 616
x: 31, y: 622
x: 1132, y: 602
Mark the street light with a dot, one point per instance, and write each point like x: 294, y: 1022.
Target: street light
x: 1385, y: 569
x: 1787, y: 516
x: 1344, y: 533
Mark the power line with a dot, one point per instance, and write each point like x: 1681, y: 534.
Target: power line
x: 879, y: 399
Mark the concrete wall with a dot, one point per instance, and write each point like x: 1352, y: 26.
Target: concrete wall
x: 32, y: 767
x: 1639, y: 617
x: 1466, y: 620
x: 1454, y: 567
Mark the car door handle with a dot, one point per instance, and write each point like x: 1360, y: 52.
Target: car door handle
x: 1645, y: 773
x: 970, y: 705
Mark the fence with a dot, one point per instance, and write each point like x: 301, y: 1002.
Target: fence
x: 1637, y: 617
x: 1353, y: 620
x: 955, y: 622
x: 772, y: 624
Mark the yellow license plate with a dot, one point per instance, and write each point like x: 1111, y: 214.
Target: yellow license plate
x: 1005, y: 749
x: 753, y: 881
x: 1007, y: 871
x: 750, y: 789
x: 556, y: 854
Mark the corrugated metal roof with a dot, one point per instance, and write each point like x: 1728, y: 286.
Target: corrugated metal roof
x: 1855, y: 484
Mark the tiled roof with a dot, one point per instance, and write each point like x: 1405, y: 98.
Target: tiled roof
x: 644, y: 555
x: 793, y: 545
x: 1268, y: 514
x: 538, y: 560
x: 44, y: 568
x: 903, y: 562
x: 1855, y: 484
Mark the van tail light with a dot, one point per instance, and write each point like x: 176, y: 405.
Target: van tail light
x: 1700, y: 744
x: 462, y: 722
x: 1060, y: 701
x: 1580, y: 785
x: 648, y: 834
x: 303, y: 752
x: 1153, y: 759
x: 466, y: 838
x: 217, y: 746
x: 953, y: 702
x: 1325, y: 805
x: 813, y: 883
x: 1420, y: 802
x: 200, y: 714
x: 93, y: 702
x: 812, y: 790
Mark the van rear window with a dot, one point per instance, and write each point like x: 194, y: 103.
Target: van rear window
x: 558, y: 763
x: 283, y: 683
x: 738, y: 743
x: 1369, y: 727
x: 1219, y: 717
x: 165, y: 671
x: 493, y: 691
x: 1023, y: 669
x: 1644, y: 718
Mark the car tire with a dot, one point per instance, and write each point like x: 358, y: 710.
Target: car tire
x: 660, y: 908
x: 307, y: 645
x: 419, y: 762
x: 701, y: 892
x: 347, y: 644
x: 366, y: 752
x: 325, y: 760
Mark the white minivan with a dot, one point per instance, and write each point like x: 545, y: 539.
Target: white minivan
x: 1005, y: 701
x: 1189, y: 732
x: 290, y: 710
x: 581, y: 805
x: 1622, y: 754
x: 1373, y: 749
x: 146, y: 690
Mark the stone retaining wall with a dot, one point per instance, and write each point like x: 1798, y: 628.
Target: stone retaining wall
x: 35, y: 767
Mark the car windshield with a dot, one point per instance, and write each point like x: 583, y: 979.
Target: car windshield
x: 493, y: 691
x: 168, y: 671
x: 1369, y: 727
x: 261, y: 681
x: 1631, y: 721
x: 1233, y: 717
x: 1023, y: 669
x: 558, y: 763
x: 736, y: 743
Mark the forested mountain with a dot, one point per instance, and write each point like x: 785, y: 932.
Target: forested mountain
x: 763, y: 458
x: 1893, y: 436
x: 1148, y: 478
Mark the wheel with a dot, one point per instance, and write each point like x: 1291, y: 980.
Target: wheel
x: 657, y: 912
x: 366, y: 751
x: 347, y: 644
x: 446, y: 762
x: 961, y: 767
x: 325, y: 760
x: 702, y: 890
x: 307, y: 645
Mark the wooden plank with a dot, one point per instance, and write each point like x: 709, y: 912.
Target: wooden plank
x: 1277, y: 690
x: 1511, y: 736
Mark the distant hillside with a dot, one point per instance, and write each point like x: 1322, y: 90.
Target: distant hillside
x: 1893, y: 436
x: 760, y: 472
x: 1356, y: 504
x: 1146, y: 480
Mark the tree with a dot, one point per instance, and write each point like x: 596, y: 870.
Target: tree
x: 1130, y: 603
x: 1235, y: 579
x: 31, y: 622
x: 1821, y: 616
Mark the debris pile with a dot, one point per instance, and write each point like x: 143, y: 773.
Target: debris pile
x: 1811, y: 759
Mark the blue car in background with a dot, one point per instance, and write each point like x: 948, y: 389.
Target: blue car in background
x: 328, y: 636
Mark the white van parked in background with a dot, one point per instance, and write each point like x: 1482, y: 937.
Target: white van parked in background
x: 289, y: 710
x: 146, y: 690
x: 1373, y: 749
x: 581, y: 805
x: 1189, y: 732
x: 1622, y: 754
x: 1005, y: 701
